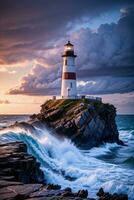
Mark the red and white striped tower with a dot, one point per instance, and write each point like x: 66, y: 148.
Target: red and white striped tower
x: 68, y: 87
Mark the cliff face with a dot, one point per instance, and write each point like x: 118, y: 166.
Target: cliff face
x: 17, y: 165
x: 87, y: 123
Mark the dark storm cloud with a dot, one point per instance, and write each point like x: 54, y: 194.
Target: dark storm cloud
x: 27, y: 26
x: 109, y: 57
x: 111, y: 47
x: 121, y: 71
x: 106, y: 85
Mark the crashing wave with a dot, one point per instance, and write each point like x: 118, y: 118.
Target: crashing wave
x: 64, y: 164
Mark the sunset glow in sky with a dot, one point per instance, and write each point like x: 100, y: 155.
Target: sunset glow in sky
x: 32, y: 36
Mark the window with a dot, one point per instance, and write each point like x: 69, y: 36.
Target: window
x: 65, y: 61
x: 71, y: 85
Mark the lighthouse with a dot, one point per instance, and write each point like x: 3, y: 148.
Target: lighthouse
x: 68, y: 86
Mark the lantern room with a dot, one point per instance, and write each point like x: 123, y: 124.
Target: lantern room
x: 68, y: 50
x: 68, y: 47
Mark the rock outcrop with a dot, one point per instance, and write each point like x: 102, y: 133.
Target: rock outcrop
x: 107, y: 196
x: 21, y: 179
x: 87, y: 123
x: 17, y: 165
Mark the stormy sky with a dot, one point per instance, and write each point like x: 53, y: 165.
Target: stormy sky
x: 32, y: 36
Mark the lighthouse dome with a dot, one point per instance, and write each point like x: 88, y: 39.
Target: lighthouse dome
x: 68, y: 44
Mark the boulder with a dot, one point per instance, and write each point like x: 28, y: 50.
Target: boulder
x: 67, y: 194
x: 107, y: 196
x: 53, y: 187
x: 68, y: 189
x: 82, y: 193
x: 100, y: 192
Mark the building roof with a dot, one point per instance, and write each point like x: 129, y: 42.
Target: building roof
x: 68, y: 44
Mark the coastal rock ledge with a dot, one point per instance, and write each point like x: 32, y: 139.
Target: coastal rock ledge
x: 87, y: 123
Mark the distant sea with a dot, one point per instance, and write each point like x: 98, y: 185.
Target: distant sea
x: 110, y: 166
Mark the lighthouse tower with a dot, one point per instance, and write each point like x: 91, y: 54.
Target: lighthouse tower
x: 68, y: 87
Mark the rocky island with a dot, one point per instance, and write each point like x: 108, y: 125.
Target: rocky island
x: 87, y: 123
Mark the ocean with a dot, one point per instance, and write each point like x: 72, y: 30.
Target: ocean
x: 110, y: 166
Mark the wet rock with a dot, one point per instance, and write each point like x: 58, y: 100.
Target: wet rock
x: 100, y: 192
x: 7, y: 178
x: 122, y: 197
x: 53, y: 187
x: 67, y: 194
x: 19, y: 197
x: 82, y: 193
x: 8, y: 195
x: 25, y: 189
x: 43, y: 192
x: 91, y: 199
x: 68, y: 189
x: 107, y: 196
x: 120, y: 142
x: 4, y: 183
x: 17, y: 165
x: 18, y: 191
